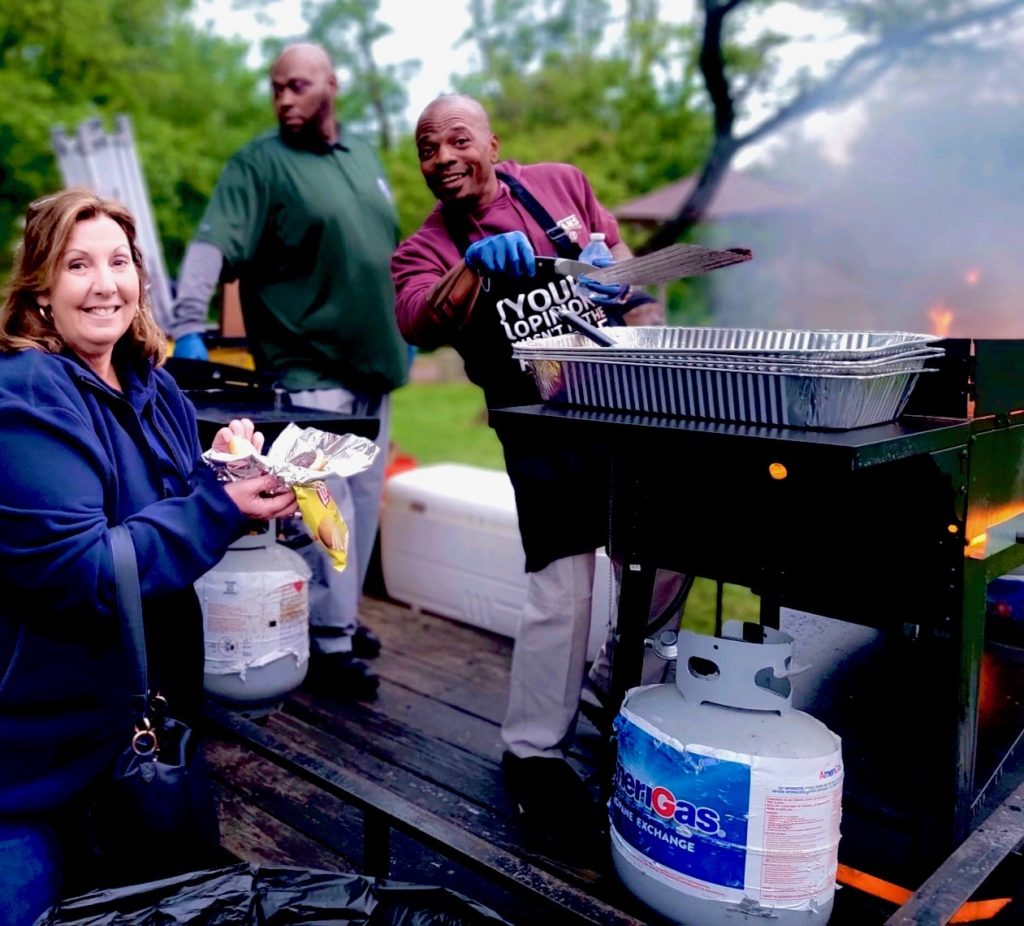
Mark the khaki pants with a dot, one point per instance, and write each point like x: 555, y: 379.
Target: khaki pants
x: 549, y: 657
x: 550, y: 654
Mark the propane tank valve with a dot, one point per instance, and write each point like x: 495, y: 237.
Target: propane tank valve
x: 665, y: 645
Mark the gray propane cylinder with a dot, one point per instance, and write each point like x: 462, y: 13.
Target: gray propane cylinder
x: 255, y: 605
x: 726, y: 801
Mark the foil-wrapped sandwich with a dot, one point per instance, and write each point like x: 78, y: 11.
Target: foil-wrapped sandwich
x: 301, y: 458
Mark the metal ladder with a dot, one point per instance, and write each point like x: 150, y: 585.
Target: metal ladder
x: 108, y: 164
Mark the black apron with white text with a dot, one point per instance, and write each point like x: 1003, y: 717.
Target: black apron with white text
x: 510, y: 309
x: 561, y: 488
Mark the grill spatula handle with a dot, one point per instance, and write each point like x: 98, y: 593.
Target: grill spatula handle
x: 584, y: 327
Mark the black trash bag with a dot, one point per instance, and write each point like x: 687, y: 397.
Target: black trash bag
x: 264, y: 895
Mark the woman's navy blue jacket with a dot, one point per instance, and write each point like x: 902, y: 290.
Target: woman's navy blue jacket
x: 76, y: 458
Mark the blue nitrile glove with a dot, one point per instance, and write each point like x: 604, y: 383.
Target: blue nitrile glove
x: 508, y: 253
x: 191, y: 347
x: 603, y: 293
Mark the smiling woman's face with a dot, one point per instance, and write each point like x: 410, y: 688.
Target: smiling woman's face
x: 457, y: 152
x: 95, y: 290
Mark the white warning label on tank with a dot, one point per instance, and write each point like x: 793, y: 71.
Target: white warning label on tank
x: 253, y: 618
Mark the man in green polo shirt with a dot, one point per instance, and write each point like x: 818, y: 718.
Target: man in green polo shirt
x: 303, y: 218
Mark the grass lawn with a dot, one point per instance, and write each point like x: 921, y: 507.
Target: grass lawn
x: 446, y: 422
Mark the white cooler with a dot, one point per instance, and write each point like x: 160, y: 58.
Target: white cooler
x: 450, y: 544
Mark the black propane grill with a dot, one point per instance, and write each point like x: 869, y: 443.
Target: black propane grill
x: 889, y: 532
x: 221, y: 392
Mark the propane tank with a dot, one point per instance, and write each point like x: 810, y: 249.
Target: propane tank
x: 255, y: 605
x: 726, y: 801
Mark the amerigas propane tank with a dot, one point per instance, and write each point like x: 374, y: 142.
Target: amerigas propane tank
x: 256, y: 622
x: 726, y: 801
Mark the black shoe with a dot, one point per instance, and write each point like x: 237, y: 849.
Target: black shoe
x: 559, y: 815
x: 365, y: 643
x: 341, y: 676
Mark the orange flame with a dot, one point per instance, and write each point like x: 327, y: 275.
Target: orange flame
x: 941, y: 318
x: 985, y: 520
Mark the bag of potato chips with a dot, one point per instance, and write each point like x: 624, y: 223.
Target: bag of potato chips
x: 323, y: 520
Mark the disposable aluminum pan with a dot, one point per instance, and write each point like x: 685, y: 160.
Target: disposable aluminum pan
x: 786, y: 399
x: 898, y: 363
x: 803, y: 345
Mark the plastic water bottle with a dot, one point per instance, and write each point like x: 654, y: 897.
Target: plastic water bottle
x: 595, y: 250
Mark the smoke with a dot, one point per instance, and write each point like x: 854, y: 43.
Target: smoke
x: 923, y: 223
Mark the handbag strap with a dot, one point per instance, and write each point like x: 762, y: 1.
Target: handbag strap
x: 129, y: 607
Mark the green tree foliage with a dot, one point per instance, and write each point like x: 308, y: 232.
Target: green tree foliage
x: 564, y: 81
x: 192, y: 98
x: 412, y: 198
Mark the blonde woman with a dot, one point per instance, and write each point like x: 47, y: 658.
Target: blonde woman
x: 92, y: 434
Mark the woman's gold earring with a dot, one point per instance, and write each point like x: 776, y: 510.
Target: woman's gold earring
x: 42, y: 312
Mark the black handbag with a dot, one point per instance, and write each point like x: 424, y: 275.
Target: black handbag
x: 156, y: 816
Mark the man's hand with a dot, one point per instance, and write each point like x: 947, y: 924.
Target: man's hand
x: 509, y: 253
x: 191, y: 347
x: 603, y: 293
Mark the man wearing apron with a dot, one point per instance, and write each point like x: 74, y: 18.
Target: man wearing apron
x: 479, y: 275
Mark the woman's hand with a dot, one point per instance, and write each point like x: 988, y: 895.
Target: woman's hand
x: 262, y: 497
x: 237, y: 428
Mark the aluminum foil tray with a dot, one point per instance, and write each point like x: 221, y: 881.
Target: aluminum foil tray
x: 806, y: 345
x: 898, y: 363
x: 786, y: 399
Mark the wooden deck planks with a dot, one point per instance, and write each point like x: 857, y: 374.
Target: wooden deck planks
x: 252, y: 834
x: 472, y: 847
x: 293, y: 788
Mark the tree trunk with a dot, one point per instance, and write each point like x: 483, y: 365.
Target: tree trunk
x: 712, y: 66
x: 375, y: 91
